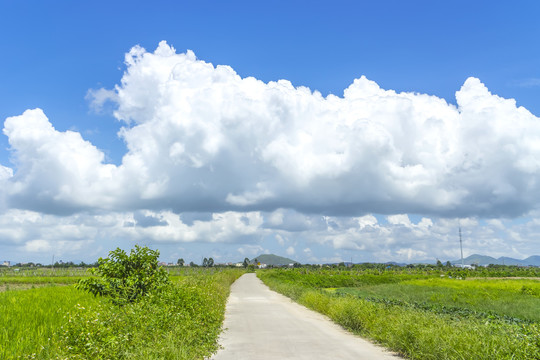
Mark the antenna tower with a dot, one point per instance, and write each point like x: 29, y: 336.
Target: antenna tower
x: 461, y: 247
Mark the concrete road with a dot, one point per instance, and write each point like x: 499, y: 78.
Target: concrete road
x: 262, y: 324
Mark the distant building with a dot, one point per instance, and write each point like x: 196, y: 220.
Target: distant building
x: 6, y: 263
x: 465, y: 266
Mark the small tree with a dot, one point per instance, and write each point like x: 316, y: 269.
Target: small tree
x: 205, y: 262
x: 210, y: 262
x: 246, y: 262
x: 180, y: 262
x: 125, y: 278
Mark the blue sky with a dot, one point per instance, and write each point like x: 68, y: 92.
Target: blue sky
x: 55, y: 53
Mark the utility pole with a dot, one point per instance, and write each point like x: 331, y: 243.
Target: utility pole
x: 461, y: 247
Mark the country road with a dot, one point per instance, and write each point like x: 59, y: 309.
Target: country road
x: 262, y: 324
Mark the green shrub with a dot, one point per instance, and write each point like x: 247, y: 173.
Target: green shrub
x: 125, y: 278
x: 183, y: 321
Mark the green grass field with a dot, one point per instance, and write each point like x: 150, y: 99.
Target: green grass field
x: 509, y: 298
x: 416, y: 313
x: 424, y: 316
x: 30, y: 319
x: 57, y: 321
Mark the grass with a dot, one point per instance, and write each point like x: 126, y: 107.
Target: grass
x: 419, y: 318
x: 39, y: 272
x: 41, y: 276
x: 504, y: 297
x: 31, y: 317
x: 59, y: 322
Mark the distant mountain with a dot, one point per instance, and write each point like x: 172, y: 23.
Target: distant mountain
x: 532, y: 260
x: 503, y: 260
x: 509, y: 261
x: 271, y: 259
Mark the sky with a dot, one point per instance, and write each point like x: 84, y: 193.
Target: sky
x: 321, y: 131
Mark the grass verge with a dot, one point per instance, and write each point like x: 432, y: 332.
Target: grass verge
x: 413, y: 332
x: 181, y: 322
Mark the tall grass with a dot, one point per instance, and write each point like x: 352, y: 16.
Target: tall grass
x: 181, y: 322
x: 415, y: 332
x: 30, y: 318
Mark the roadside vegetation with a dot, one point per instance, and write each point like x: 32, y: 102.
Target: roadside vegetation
x: 424, y: 313
x: 128, y: 308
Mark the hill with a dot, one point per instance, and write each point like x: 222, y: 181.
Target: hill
x: 271, y: 259
x: 532, y: 260
x: 503, y: 260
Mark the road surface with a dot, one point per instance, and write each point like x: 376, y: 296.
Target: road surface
x: 262, y: 324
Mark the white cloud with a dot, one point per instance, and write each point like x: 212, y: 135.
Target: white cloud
x: 86, y: 236
x: 280, y: 239
x: 400, y: 219
x: 290, y: 251
x: 201, y: 138
x: 56, y: 171
x: 411, y: 254
x: 37, y: 246
x: 98, y: 98
x: 5, y: 173
x: 251, y: 250
x: 274, y: 161
x: 367, y: 220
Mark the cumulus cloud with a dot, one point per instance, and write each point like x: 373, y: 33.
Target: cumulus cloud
x: 216, y: 158
x: 200, y: 138
x: 57, y: 172
x: 87, y: 236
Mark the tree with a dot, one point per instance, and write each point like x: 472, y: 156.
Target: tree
x: 180, y: 262
x: 126, y: 278
x: 205, y: 262
x: 246, y: 262
x: 210, y: 262
x: 439, y: 263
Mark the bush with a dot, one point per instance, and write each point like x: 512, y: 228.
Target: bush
x: 125, y: 278
x: 183, y: 321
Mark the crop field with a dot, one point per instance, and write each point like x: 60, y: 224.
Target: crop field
x: 44, y: 316
x: 424, y: 314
